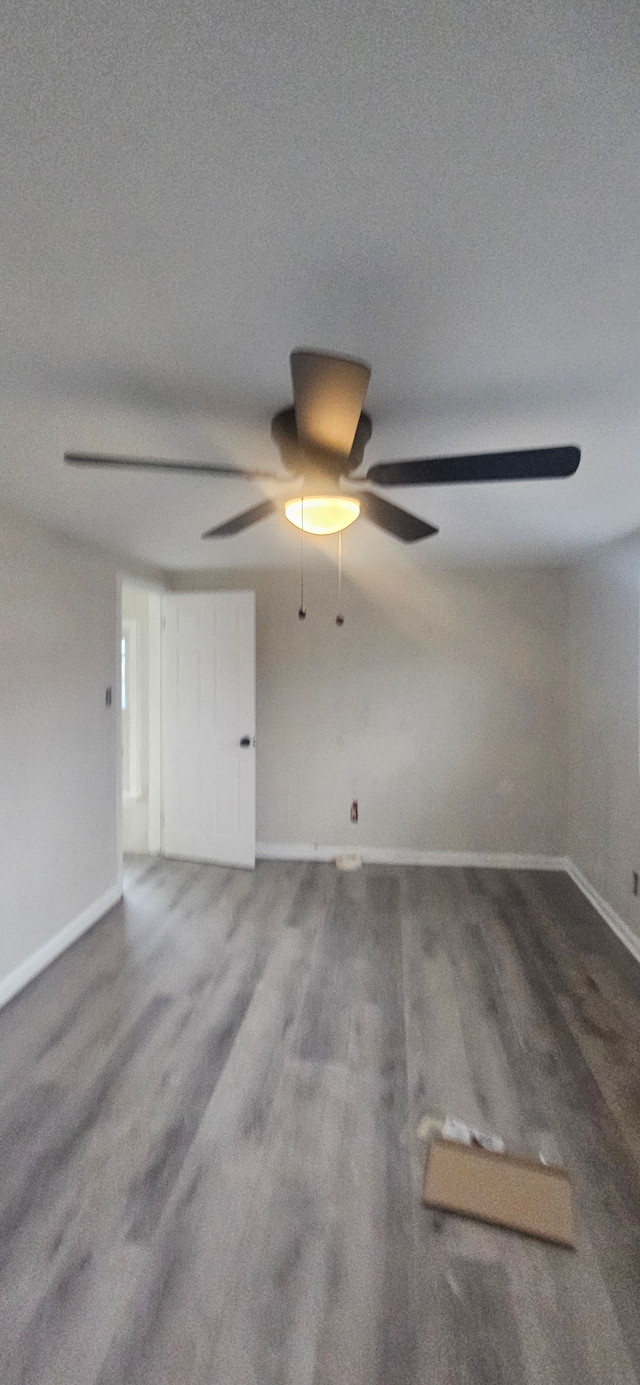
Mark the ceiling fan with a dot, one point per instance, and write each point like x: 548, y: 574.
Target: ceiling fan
x: 321, y: 440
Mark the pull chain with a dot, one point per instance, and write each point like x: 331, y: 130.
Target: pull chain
x: 339, y: 617
x: 303, y: 610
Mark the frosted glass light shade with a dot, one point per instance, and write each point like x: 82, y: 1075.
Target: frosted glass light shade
x: 322, y: 514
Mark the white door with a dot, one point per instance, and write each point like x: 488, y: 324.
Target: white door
x: 208, y: 727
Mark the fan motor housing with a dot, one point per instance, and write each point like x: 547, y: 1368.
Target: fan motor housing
x: 299, y: 458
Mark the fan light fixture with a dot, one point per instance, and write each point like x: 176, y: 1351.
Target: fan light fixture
x: 321, y: 437
x: 322, y: 514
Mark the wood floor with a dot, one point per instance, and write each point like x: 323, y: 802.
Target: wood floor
x: 207, y: 1133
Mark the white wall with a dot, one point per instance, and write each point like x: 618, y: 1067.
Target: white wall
x: 444, y: 705
x: 135, y: 811
x: 440, y: 706
x: 603, y: 835
x: 59, y: 850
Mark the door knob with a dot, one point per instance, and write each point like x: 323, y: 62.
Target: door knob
x: 246, y: 740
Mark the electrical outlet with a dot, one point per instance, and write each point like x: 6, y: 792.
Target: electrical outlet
x: 354, y: 810
x: 636, y: 889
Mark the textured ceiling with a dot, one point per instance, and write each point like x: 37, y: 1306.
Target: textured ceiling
x: 449, y: 190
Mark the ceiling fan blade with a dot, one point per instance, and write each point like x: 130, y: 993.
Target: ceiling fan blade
x: 328, y: 394
x: 242, y: 521
x: 529, y: 465
x: 394, y: 520
x: 157, y: 464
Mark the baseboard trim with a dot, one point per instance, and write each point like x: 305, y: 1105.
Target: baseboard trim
x: 402, y: 856
x: 26, y: 971
x: 606, y: 910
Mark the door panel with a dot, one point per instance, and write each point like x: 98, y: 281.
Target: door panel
x: 208, y: 705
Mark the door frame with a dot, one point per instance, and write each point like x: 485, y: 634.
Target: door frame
x: 130, y: 636
x: 155, y: 591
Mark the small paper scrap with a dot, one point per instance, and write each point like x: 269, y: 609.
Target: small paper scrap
x: 451, y: 1128
x: 454, y: 1129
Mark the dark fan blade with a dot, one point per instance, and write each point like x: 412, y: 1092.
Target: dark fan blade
x: 392, y: 519
x: 156, y: 464
x: 242, y: 521
x: 484, y: 466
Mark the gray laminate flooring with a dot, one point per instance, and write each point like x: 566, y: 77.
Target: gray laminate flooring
x: 209, y: 1164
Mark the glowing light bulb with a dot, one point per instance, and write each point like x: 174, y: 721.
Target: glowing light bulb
x: 322, y: 514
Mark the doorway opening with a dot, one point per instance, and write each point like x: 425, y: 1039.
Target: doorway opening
x: 140, y: 719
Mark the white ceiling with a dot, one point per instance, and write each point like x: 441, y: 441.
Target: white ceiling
x: 448, y: 189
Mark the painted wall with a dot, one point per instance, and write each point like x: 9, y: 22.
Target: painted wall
x: 59, y: 849
x: 135, y: 811
x: 58, y: 620
x: 603, y: 834
x: 439, y: 706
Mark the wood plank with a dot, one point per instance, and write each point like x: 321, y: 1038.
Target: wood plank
x: 208, y: 1111
x: 563, y: 1098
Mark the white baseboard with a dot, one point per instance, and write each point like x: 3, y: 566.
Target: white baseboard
x: 606, y: 910
x: 25, y: 972
x: 403, y: 856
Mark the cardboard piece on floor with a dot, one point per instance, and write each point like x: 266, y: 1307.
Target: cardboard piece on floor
x: 507, y: 1189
